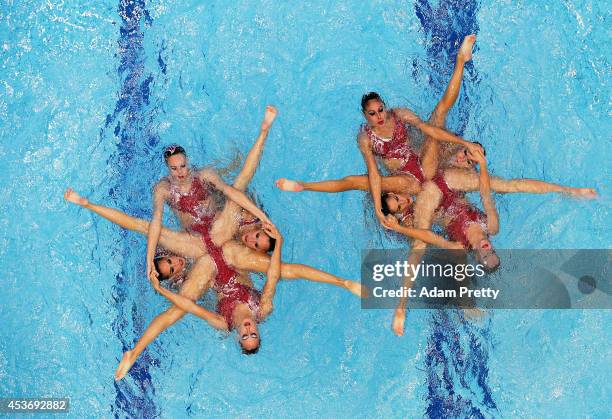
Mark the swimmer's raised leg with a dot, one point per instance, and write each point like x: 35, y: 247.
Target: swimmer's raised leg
x: 431, y: 149
x: 252, y: 159
x: 198, y: 281
x: 462, y: 180
x: 425, y: 206
x: 397, y: 184
x: 115, y: 216
x: 258, y: 262
x: 179, y: 243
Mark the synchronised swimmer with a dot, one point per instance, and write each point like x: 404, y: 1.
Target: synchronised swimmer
x: 220, y: 243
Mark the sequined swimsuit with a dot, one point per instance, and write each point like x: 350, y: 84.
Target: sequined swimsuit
x: 396, y: 148
x: 461, y: 213
x: 191, y: 202
x: 230, y: 291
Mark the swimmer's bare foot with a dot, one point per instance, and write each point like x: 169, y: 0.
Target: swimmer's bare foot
x: 585, y: 193
x: 398, y: 321
x: 124, y: 366
x: 75, y: 198
x: 465, y: 51
x: 473, y: 313
x: 357, y: 289
x: 288, y: 185
x: 269, y: 116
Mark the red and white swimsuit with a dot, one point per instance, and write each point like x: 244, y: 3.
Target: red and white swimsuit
x: 230, y: 291
x: 192, y: 201
x: 461, y: 213
x: 396, y: 147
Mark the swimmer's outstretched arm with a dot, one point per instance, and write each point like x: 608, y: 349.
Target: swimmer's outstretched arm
x: 436, y: 133
x: 234, y: 194
x: 374, y: 178
x: 273, y: 274
x: 185, y: 304
x: 485, y: 195
x: 426, y: 236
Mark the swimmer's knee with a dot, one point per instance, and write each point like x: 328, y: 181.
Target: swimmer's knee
x: 431, y: 189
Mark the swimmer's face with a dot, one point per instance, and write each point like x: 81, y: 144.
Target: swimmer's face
x: 171, y: 266
x: 398, y: 203
x: 248, y: 334
x: 462, y: 159
x: 375, y: 113
x: 486, y: 256
x: 257, y: 240
x: 177, y: 166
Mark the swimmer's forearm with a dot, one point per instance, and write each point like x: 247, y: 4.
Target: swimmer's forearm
x: 272, y: 277
x: 375, y: 182
x: 487, y: 200
x: 440, y: 134
x: 153, y: 239
x: 243, y: 201
x: 374, y: 179
x: 185, y: 304
x: 155, y: 227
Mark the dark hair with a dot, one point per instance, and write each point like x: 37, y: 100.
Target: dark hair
x: 490, y: 270
x: 384, y: 207
x: 251, y: 351
x: 368, y: 97
x: 156, y: 261
x: 484, y: 151
x: 172, y: 150
x: 272, y: 244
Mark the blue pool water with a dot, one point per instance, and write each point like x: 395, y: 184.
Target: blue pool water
x: 91, y: 91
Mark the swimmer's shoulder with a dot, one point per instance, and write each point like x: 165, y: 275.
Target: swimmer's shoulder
x: 162, y: 187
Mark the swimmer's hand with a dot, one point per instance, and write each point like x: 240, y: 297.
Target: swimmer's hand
x: 381, y: 218
x: 399, y: 317
x: 155, y: 283
x: 391, y: 222
x: 151, y: 272
x: 266, y: 308
x: 478, y: 157
x: 474, y: 148
x: 272, y: 231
